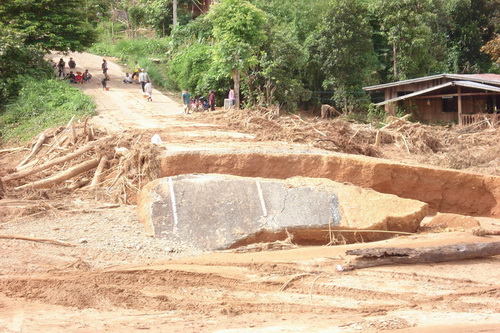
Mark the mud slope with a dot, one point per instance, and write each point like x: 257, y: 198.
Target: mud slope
x: 444, y: 190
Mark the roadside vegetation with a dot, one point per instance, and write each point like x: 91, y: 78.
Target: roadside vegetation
x: 31, y: 99
x: 43, y: 104
x: 286, y: 54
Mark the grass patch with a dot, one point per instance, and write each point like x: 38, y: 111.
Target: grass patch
x: 42, y: 105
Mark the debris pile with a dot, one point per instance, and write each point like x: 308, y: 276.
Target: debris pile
x: 78, y: 157
x: 397, y: 139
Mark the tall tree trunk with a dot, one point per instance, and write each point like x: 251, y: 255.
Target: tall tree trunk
x: 395, y: 60
x: 174, y: 10
x: 236, y: 80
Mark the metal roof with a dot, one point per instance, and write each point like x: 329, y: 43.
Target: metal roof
x: 468, y: 84
x: 483, y: 78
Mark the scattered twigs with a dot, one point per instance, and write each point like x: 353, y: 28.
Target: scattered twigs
x: 293, y: 278
x: 10, y: 150
x: 312, y: 287
x: 40, y: 240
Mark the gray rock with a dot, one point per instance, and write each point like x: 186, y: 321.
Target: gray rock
x: 209, y: 211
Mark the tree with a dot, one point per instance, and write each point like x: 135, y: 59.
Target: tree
x: 343, y: 48
x: 492, y: 48
x: 238, y: 32
x: 472, y: 26
x: 406, y: 26
x: 49, y: 24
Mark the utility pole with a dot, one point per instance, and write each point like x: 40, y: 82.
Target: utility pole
x: 174, y: 10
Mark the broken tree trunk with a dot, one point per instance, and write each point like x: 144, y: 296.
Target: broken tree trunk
x: 62, y: 176
x: 98, y: 173
x: 55, y: 161
x: 371, y: 257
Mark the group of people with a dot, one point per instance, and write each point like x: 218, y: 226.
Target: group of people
x: 142, y: 77
x: 197, y: 103
x: 72, y: 76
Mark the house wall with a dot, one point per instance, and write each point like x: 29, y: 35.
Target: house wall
x: 430, y: 111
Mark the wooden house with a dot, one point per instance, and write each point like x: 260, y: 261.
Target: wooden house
x: 461, y: 98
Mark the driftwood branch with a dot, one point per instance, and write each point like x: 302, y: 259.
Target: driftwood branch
x: 62, y: 176
x: 36, y: 147
x: 371, y: 257
x: 55, y: 161
x: 41, y: 240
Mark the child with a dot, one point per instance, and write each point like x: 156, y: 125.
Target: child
x: 148, y: 90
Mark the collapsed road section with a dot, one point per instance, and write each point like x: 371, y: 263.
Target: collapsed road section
x: 446, y: 191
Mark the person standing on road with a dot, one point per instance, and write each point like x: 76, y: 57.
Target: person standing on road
x: 61, y: 66
x: 144, y: 78
x: 186, y: 99
x: 211, y: 100
x: 104, y: 67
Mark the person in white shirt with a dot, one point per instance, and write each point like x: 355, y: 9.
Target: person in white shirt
x: 144, y: 78
x: 148, y: 90
x: 127, y: 78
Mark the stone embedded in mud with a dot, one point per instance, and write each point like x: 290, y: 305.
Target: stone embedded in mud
x: 448, y: 220
x: 211, y: 211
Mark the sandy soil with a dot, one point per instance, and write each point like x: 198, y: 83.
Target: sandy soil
x: 116, y: 278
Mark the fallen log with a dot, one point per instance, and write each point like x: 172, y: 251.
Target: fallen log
x: 36, y: 147
x: 41, y: 240
x: 62, y: 176
x: 56, y: 161
x: 380, y: 256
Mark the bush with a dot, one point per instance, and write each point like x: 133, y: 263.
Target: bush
x: 41, y: 105
x: 189, y: 67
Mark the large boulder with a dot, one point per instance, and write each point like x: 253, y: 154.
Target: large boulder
x: 212, y: 211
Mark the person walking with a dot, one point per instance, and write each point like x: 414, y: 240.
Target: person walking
x: 211, y: 100
x: 148, y: 90
x: 143, y: 78
x: 186, y: 99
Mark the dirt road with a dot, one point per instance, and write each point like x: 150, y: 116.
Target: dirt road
x: 116, y: 278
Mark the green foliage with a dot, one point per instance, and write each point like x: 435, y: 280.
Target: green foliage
x: 280, y: 64
x: 189, y: 67
x: 472, y: 26
x: 49, y: 24
x: 142, y: 48
x: 196, y: 31
x: 343, y: 48
x: 238, y: 32
x: 43, y: 104
x: 406, y: 26
x: 18, y: 61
